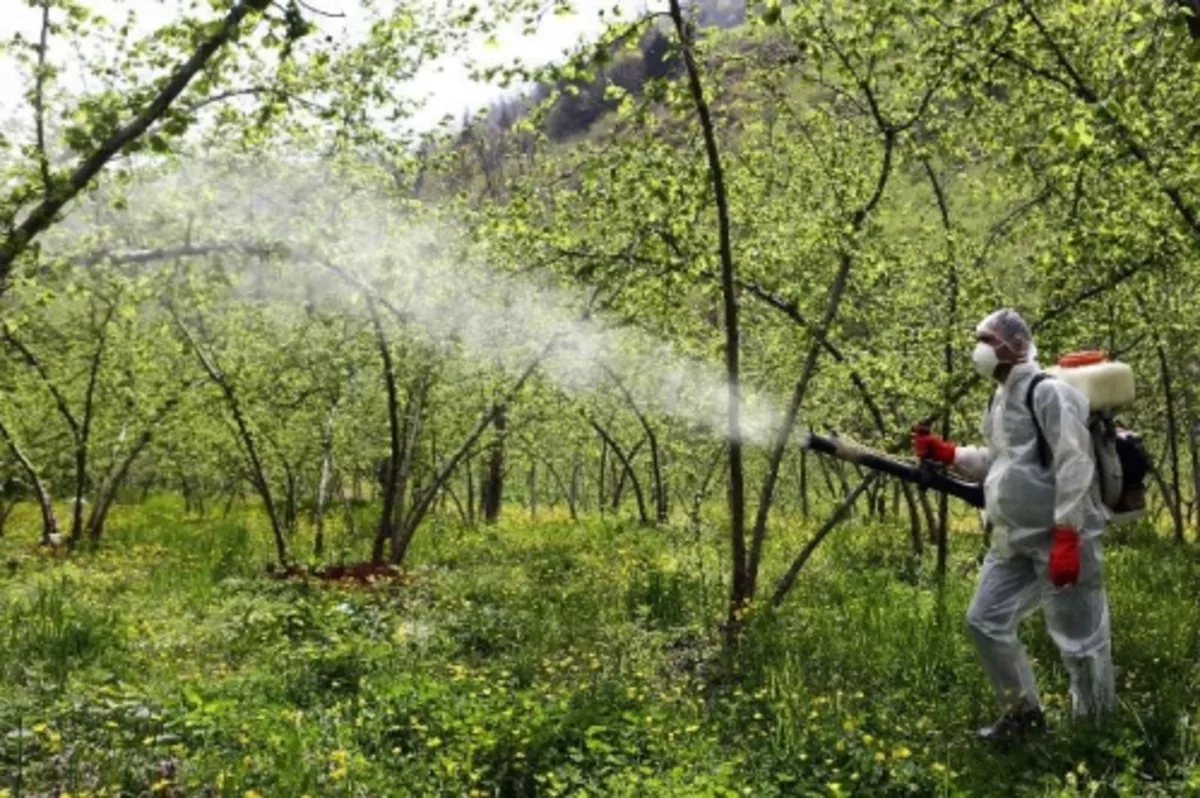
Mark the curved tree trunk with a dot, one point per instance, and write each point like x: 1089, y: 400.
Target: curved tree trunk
x: 258, y: 474
x: 628, y: 470
x: 109, y: 487
x: 40, y: 492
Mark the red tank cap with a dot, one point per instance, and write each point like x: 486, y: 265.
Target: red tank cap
x: 1086, y: 358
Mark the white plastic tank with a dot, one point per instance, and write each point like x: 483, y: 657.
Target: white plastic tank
x: 1107, y: 384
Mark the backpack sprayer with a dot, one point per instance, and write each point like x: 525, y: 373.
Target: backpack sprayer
x: 1122, y: 462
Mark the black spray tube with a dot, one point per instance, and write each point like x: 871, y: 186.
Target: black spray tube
x: 925, y: 475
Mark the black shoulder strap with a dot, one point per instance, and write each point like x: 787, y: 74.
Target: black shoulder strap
x: 1043, y: 447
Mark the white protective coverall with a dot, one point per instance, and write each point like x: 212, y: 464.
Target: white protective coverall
x: 1024, y: 502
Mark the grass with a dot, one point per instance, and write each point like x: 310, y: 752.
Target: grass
x: 553, y: 659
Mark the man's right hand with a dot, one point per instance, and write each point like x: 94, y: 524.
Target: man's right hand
x: 928, y: 446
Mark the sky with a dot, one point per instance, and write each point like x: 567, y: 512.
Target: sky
x: 446, y: 84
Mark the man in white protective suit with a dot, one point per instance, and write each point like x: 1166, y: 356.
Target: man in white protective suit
x: 1047, y: 522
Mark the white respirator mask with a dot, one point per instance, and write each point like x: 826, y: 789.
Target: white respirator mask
x: 985, y: 359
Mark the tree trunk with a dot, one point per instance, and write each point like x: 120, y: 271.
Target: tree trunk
x: 532, y: 491
x: 185, y: 487
x: 930, y: 517
x: 573, y: 494
x: 493, y: 489
x: 348, y: 518
x: 741, y: 586
x: 386, y: 528
x: 422, y: 503
x: 412, y: 431
x: 84, y: 431
x: 109, y: 487
x: 914, y: 522
x: 951, y: 330
x: 1175, y: 498
x: 602, y: 495
x: 627, y: 471
x: 470, y: 473
x: 622, y: 470
x: 1194, y: 448
x: 563, y: 489
x: 804, y: 506
x: 289, y: 502
x: 660, y: 496
x: 40, y: 492
x: 323, y: 485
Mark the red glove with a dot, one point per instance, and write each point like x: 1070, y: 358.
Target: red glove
x: 927, y: 446
x: 1064, y: 556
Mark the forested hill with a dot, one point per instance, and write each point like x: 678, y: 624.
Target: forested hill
x: 579, y: 103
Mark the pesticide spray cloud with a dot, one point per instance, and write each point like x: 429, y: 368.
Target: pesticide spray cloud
x: 336, y: 237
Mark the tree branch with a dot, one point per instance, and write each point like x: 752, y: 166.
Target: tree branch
x: 660, y: 507
x: 39, y: 102
x: 258, y: 476
x: 49, y: 521
x: 625, y: 463
x: 422, y: 505
x: 1081, y: 89
x: 85, y: 431
x: 117, y: 474
x: 44, y: 214
x: 1008, y: 219
x: 789, y: 579
x: 32, y: 361
x: 140, y: 256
